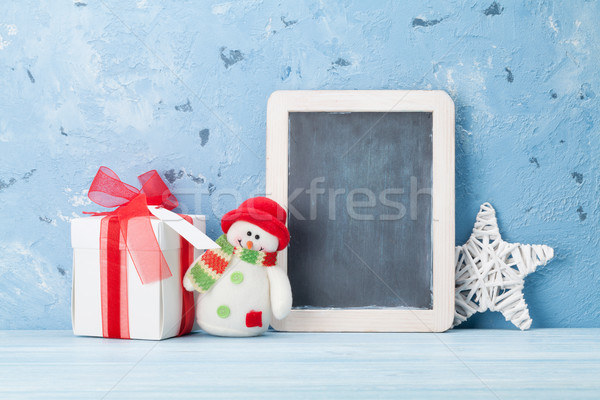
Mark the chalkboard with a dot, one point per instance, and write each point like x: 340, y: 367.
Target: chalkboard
x: 367, y: 178
x: 379, y: 255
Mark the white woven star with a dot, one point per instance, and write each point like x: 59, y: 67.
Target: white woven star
x: 490, y: 272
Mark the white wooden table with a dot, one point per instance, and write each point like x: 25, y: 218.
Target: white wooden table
x: 469, y: 364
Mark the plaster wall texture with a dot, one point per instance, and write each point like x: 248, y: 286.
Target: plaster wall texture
x: 182, y: 87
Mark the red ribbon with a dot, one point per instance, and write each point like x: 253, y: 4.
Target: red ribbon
x: 129, y: 225
x: 186, y: 258
x: 133, y: 217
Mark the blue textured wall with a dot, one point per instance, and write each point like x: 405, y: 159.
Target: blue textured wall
x: 182, y: 87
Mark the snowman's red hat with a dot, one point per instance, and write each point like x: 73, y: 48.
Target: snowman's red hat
x: 264, y: 213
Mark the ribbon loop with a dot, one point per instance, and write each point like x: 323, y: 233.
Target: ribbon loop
x: 156, y: 191
x: 109, y: 191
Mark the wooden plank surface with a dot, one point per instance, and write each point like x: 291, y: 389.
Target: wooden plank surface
x: 476, y: 364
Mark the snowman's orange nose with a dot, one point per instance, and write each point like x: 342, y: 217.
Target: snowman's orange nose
x: 249, y: 244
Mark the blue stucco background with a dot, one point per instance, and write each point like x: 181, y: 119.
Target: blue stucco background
x: 182, y: 87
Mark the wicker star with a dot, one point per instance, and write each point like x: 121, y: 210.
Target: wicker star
x: 490, y: 272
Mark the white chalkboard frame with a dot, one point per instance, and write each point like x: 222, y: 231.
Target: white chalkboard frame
x: 437, y: 319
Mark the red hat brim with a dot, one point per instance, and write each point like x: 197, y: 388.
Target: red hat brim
x: 261, y: 219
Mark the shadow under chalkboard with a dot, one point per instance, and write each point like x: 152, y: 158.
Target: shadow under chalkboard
x: 359, y: 203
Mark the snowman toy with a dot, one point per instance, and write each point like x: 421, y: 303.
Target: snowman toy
x: 240, y: 284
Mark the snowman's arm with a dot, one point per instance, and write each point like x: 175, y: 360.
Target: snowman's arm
x: 280, y: 292
x: 187, y: 278
x: 187, y: 284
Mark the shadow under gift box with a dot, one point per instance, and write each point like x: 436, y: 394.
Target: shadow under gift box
x: 152, y: 311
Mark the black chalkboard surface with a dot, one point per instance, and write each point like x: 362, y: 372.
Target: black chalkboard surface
x: 360, y: 209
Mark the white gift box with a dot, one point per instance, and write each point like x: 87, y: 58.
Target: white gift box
x: 154, y: 309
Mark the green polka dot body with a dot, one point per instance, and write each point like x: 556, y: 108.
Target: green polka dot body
x: 223, y: 311
x: 237, y: 277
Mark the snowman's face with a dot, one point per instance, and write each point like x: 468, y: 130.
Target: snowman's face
x: 249, y: 236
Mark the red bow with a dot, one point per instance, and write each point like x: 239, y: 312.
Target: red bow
x: 133, y: 218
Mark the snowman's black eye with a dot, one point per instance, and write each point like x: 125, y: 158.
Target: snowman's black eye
x: 257, y: 237
x: 249, y: 233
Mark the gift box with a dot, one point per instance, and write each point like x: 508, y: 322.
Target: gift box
x: 128, y: 263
